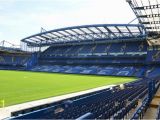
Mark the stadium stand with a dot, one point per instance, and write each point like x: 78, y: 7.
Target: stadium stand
x: 117, y: 58
x: 115, y: 103
x: 102, y: 49
x: 95, y: 59
x: 13, y: 61
x: 16, y: 60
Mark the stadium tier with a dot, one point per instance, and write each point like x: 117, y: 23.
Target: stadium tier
x: 13, y: 61
x: 99, y: 70
x: 17, y: 61
x: 121, y: 59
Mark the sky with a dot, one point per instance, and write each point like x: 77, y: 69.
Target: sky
x: 22, y: 18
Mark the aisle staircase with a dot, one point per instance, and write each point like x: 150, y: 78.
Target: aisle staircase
x: 151, y: 112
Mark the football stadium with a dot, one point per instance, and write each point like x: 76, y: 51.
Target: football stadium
x: 95, y: 71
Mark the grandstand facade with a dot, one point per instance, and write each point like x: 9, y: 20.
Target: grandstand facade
x: 101, y: 49
x: 104, y: 49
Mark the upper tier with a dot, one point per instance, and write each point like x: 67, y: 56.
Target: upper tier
x: 105, y: 49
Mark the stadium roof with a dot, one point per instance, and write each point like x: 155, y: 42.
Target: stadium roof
x: 87, y: 33
x: 148, y: 14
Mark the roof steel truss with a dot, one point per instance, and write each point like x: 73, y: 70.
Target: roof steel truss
x: 87, y: 32
x: 148, y: 13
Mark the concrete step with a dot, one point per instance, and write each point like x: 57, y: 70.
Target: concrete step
x: 155, y: 102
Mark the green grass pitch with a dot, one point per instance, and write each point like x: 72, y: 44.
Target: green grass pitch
x: 19, y: 87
